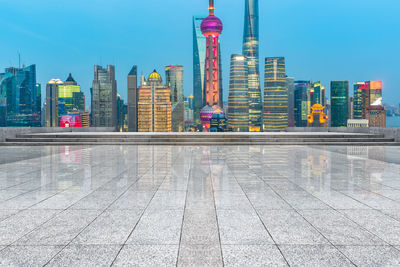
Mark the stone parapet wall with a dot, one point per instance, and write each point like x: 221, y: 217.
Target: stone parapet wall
x: 10, y: 132
x: 392, y: 132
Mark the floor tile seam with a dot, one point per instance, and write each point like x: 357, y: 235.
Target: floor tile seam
x: 375, y: 193
x: 388, y: 187
x: 365, y: 159
x: 338, y: 210
x: 96, y: 190
x: 29, y: 207
x: 329, y: 246
x: 35, y: 228
x: 141, y: 215
x: 216, y: 213
x: 114, y: 178
x: 104, y: 210
x: 38, y: 188
x: 367, y: 230
x: 317, y: 230
x: 80, y: 169
x: 305, y: 220
x: 60, y: 192
x: 184, y: 209
x: 83, y: 229
x: 360, y: 226
x: 262, y: 222
x: 30, y: 179
x: 356, y: 156
x: 372, y: 208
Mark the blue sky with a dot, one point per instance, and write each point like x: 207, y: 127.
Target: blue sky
x: 353, y: 40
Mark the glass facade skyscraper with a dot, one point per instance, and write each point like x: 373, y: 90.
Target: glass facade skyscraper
x: 238, y: 100
x: 358, y: 113
x: 275, y: 115
x: 302, y: 103
x: 23, y: 97
x: 290, y: 87
x: 174, y: 80
x: 132, y: 99
x: 104, y: 97
x: 199, y: 66
x: 339, y: 103
x: 52, y: 109
x: 318, y: 94
x: 366, y: 94
x: 251, y: 52
x: 70, y: 97
x: 7, y: 85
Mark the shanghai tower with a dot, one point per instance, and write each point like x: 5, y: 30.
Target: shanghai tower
x: 250, y: 51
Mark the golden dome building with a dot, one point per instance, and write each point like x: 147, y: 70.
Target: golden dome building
x: 317, y: 118
x: 154, y: 105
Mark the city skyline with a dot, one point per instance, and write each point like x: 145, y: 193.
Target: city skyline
x: 312, y: 56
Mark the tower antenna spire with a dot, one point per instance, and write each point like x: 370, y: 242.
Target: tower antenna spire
x: 211, y: 8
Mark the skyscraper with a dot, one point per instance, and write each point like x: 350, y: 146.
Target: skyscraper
x: 275, y: 116
x: 373, y: 94
x: 7, y: 85
x: 52, y: 109
x: 302, y: 102
x: 104, y: 97
x: 358, y: 113
x: 251, y: 52
x: 376, y: 116
x: 366, y: 94
x: 174, y: 80
x: 339, y: 103
x: 199, y: 65
x: 238, y: 100
x: 70, y: 97
x: 26, y: 88
x: 290, y: 87
x: 154, y: 105
x: 23, y: 96
x: 132, y: 100
x: 211, y: 27
x: 318, y: 94
x: 122, y: 111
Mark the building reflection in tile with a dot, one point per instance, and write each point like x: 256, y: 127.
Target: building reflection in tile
x: 222, y: 204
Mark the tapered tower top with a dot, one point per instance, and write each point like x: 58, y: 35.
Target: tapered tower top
x: 211, y: 25
x: 211, y: 8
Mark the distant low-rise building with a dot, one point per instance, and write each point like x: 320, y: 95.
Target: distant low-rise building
x: 376, y: 116
x: 357, y: 123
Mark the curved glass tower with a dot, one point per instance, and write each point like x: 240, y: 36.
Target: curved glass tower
x: 250, y: 51
x: 199, y: 66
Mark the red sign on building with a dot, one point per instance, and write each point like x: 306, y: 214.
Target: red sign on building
x: 71, y: 121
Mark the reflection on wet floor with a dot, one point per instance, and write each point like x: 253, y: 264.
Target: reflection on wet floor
x: 206, y: 206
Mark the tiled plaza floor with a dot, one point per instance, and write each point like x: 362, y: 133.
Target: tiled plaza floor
x: 200, y: 206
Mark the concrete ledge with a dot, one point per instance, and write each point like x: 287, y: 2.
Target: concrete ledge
x: 11, y: 132
x: 392, y: 132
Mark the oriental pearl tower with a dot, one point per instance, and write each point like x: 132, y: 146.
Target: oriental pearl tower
x: 211, y: 27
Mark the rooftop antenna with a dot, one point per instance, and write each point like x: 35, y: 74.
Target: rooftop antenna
x: 19, y: 60
x: 211, y: 8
